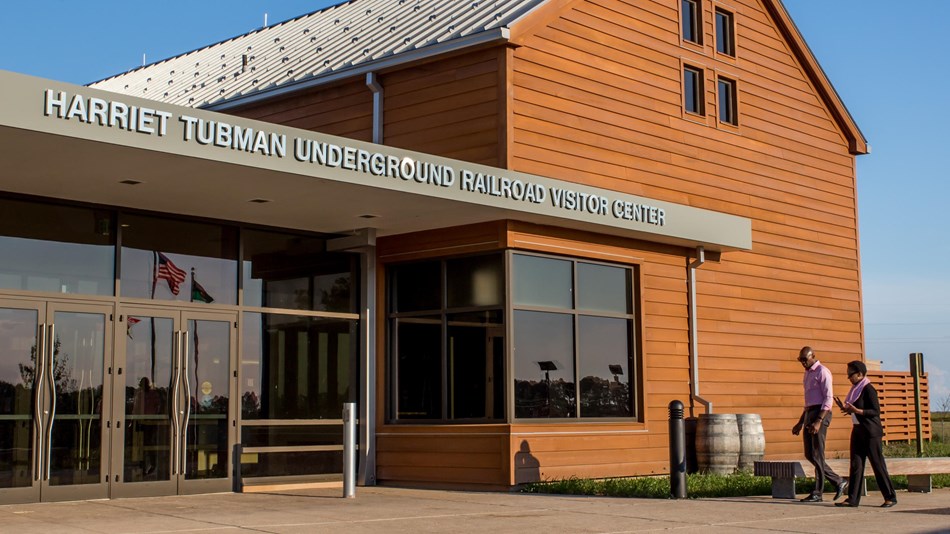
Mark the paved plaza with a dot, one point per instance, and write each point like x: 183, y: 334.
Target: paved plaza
x: 394, y: 510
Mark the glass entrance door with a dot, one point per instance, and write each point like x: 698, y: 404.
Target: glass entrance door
x: 174, y: 383
x: 54, y: 406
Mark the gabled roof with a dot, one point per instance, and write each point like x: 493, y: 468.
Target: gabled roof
x: 333, y: 42
x: 359, y: 36
x: 857, y: 144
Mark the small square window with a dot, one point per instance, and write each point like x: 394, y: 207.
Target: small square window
x: 692, y: 21
x: 693, y: 90
x: 728, y: 113
x: 725, y: 33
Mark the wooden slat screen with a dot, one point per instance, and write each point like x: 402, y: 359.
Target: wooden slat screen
x: 896, y: 392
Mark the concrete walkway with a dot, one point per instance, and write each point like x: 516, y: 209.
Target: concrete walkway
x: 393, y: 510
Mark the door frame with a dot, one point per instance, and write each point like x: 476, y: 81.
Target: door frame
x: 178, y: 484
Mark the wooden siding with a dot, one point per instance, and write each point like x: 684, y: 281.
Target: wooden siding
x: 895, y: 390
x: 344, y: 109
x: 449, y: 107
x: 597, y: 99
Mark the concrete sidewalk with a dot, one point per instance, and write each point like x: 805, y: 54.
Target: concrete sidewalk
x: 384, y: 509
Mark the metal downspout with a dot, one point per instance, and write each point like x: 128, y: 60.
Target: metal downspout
x: 693, y: 335
x: 372, y: 81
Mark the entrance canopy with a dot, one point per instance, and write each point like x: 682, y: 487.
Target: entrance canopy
x: 72, y: 142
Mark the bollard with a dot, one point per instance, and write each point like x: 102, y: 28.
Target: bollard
x: 349, y: 450
x: 237, y: 483
x: 677, y: 451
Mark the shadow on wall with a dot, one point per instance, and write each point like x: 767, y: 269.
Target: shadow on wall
x: 527, y: 467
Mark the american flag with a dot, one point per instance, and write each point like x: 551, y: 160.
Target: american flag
x: 169, y: 272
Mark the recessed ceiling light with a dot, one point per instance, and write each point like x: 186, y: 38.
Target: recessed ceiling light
x: 368, y: 216
x: 130, y: 182
x: 259, y: 201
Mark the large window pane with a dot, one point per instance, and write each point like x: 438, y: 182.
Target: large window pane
x: 57, y: 249
x: 278, y: 464
x: 417, y: 286
x: 476, y: 365
x: 17, y: 375
x: 603, y: 288
x: 476, y: 281
x: 543, y: 282
x: 167, y: 259
x: 291, y: 436
x: 296, y: 367
x: 544, y: 365
x: 295, y: 272
x: 419, y: 368
x: 605, y: 366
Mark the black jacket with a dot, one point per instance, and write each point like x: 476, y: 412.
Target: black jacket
x: 870, y: 422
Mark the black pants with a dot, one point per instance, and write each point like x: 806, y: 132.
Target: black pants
x: 815, y: 450
x: 867, y: 447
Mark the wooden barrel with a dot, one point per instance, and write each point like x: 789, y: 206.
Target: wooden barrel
x: 717, y: 443
x: 751, y: 440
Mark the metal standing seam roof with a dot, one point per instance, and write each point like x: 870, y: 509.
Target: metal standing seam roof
x: 309, y: 47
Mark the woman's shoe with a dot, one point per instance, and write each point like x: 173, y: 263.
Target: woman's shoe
x: 888, y: 504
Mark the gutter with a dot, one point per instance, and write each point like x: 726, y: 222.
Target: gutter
x: 490, y: 37
x: 693, y: 335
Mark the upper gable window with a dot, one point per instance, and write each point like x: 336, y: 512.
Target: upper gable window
x: 693, y: 90
x: 725, y: 32
x: 692, y: 21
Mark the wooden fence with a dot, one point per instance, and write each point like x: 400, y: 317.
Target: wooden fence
x: 896, y: 392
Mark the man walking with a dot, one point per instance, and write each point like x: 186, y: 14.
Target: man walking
x: 815, y: 420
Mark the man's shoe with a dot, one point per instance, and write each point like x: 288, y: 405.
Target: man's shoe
x: 888, y: 504
x: 811, y: 498
x: 841, y: 489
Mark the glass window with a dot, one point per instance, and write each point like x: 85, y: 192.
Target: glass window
x: 419, y: 368
x: 60, y: 249
x: 295, y: 272
x: 296, y: 367
x: 417, y: 286
x: 693, y: 90
x: 605, y: 366
x: 447, y: 359
x: 474, y: 281
x: 578, y: 361
x: 603, y: 288
x: 544, y: 364
x: 542, y: 282
x: 692, y: 21
x: 727, y: 102
x: 725, y: 33
x: 169, y: 259
x: 475, y: 359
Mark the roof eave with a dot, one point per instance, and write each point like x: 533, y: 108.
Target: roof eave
x: 493, y: 36
x: 857, y: 144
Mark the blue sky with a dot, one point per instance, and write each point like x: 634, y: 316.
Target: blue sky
x: 889, y: 64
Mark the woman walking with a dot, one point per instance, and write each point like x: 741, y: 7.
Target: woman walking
x: 866, y: 433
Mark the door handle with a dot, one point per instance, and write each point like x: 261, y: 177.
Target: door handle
x: 51, y: 347
x: 176, y: 426
x: 39, y: 421
x: 184, y: 426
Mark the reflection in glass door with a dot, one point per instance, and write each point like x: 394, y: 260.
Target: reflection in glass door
x: 18, y: 349
x: 52, y: 409
x: 175, y: 379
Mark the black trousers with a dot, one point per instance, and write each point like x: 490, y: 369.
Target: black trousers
x: 815, y: 450
x: 867, y: 447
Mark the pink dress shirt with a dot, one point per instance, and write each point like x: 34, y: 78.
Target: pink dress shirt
x: 817, y: 384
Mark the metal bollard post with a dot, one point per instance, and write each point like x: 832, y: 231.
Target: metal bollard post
x: 349, y: 450
x: 677, y: 451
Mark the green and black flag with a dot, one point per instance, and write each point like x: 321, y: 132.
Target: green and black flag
x: 198, y: 293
